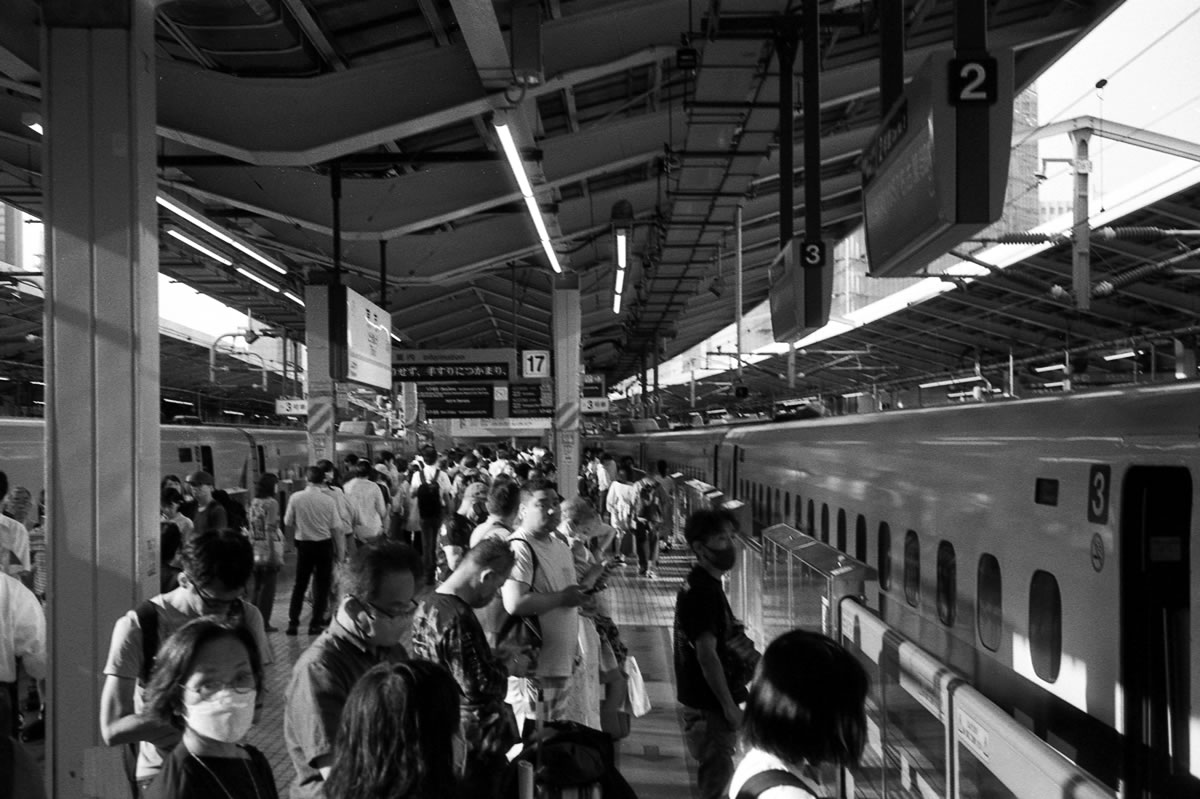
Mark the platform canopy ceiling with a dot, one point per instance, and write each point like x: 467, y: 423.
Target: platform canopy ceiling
x: 258, y: 100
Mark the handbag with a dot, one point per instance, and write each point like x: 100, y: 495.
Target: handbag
x: 739, y: 656
x: 639, y: 700
x: 522, y: 632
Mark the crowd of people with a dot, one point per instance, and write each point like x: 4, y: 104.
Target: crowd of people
x: 456, y: 603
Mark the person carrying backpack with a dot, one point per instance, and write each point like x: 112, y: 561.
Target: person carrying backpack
x: 216, y: 567
x: 648, y: 506
x: 433, y: 496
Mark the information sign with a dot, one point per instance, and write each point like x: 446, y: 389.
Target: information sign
x: 593, y: 386
x: 497, y: 428
x: 291, y: 407
x: 443, y: 366
x: 454, y: 401
x: 368, y: 341
x: 593, y: 405
x: 530, y: 400
x: 932, y: 177
x: 535, y: 364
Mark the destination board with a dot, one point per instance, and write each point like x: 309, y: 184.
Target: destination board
x: 530, y: 400
x: 452, y: 401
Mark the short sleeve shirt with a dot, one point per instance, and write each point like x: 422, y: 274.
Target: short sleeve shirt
x: 555, y: 571
x: 700, y: 607
x: 125, y: 659
x: 455, y: 532
x: 446, y: 631
x: 321, y: 682
x: 186, y: 777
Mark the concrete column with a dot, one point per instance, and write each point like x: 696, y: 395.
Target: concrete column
x: 567, y: 377
x: 101, y: 360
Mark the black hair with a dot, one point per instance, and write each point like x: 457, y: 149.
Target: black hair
x: 504, y: 497
x: 706, y: 523
x: 265, y: 487
x: 522, y: 470
x: 486, y: 452
x: 177, y: 658
x: 429, y: 455
x: 662, y: 467
x: 807, y: 701
x: 492, y: 553
x: 469, y: 461
x: 325, y: 465
x: 386, y: 456
x: 361, y: 575
x: 315, y: 474
x: 170, y: 496
x: 350, y: 459
x: 363, y: 468
x: 175, y: 477
x: 213, y: 556
x: 395, y: 736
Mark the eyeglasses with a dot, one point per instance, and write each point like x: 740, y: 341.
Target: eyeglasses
x: 218, y: 604
x: 241, y: 684
x: 407, y: 610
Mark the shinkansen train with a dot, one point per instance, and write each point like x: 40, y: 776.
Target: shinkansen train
x: 235, y: 456
x: 1040, y: 548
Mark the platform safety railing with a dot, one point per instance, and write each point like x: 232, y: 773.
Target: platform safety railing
x: 931, y: 734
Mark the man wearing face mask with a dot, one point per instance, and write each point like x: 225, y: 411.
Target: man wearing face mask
x: 379, y: 582
x: 446, y: 631
x: 216, y: 567
x: 706, y: 685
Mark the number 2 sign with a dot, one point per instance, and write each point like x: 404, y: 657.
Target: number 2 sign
x: 535, y: 364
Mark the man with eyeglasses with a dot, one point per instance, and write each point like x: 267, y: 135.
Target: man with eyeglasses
x: 216, y: 567
x: 379, y: 581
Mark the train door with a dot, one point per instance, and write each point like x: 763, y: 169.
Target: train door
x: 716, y: 470
x: 1156, y: 510
x: 206, y: 460
x: 733, y: 474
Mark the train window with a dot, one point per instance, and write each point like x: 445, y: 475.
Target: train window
x: 778, y: 507
x: 185, y: 454
x: 884, y: 556
x: 812, y: 524
x: 860, y: 539
x: 787, y: 506
x: 1045, y: 491
x: 262, y: 459
x: 799, y: 514
x: 989, y: 616
x: 841, y: 530
x: 947, y: 583
x: 206, y: 460
x: 824, y: 523
x: 912, y: 568
x: 1045, y: 625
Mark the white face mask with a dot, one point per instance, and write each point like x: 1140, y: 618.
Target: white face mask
x: 225, y: 716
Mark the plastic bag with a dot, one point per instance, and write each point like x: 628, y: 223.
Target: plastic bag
x: 639, y: 700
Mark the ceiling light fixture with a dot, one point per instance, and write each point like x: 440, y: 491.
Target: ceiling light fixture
x: 1116, y: 356
x: 951, y: 381
x: 293, y: 298
x: 1054, y: 367
x: 244, y: 272
x: 517, y: 166
x: 396, y: 338
x: 184, y: 212
x: 198, y: 247
x: 622, y: 224
x: 33, y: 121
x: 176, y: 402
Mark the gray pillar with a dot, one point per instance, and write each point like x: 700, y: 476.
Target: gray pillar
x: 319, y: 377
x: 102, y: 361
x: 568, y: 325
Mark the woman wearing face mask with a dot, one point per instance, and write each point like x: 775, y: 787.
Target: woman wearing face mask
x: 206, y: 680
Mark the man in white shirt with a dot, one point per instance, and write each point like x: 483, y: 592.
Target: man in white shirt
x: 317, y: 526
x: 22, y: 635
x: 14, y: 540
x: 543, y: 584
x: 366, y: 502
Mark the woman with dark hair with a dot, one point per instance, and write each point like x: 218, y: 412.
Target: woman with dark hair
x: 806, y: 708
x: 398, y: 735
x: 267, y: 541
x: 206, y: 680
x: 189, y: 506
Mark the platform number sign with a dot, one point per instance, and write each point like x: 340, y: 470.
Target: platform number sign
x: 1098, y: 489
x: 812, y: 253
x: 535, y: 364
x: 974, y: 81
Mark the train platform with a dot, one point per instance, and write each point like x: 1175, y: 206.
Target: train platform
x: 653, y: 758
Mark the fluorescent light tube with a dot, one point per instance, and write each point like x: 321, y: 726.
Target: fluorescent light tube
x: 396, y: 338
x: 1054, y: 367
x: 234, y: 413
x: 509, y: 145
x: 260, y: 281
x: 176, y: 402
x: 293, y: 298
x: 616, y: 302
x: 951, y: 381
x: 1119, y: 355
x: 622, y: 255
x: 1059, y: 384
x: 198, y: 247
x: 551, y: 256
x: 202, y: 223
x: 620, y: 288
x: 535, y: 213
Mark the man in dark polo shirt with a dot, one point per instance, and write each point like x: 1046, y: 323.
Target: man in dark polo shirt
x: 380, y: 582
x: 209, y: 513
x: 703, y: 624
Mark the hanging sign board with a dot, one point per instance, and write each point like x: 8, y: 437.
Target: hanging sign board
x: 443, y: 366
x: 457, y: 401
x: 530, y: 400
x: 368, y: 342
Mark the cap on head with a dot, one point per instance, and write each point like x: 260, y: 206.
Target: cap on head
x: 200, y: 478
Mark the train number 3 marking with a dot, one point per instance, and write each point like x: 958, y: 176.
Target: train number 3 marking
x: 1098, y: 485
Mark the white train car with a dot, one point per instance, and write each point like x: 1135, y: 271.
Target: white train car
x: 1041, y: 548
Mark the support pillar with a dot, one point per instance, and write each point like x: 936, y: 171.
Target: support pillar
x: 1081, y: 252
x: 568, y: 327
x: 101, y: 362
x: 319, y: 375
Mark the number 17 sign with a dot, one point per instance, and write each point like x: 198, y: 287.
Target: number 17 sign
x: 535, y: 364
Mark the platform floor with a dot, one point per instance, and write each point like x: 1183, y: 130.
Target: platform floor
x: 652, y: 758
